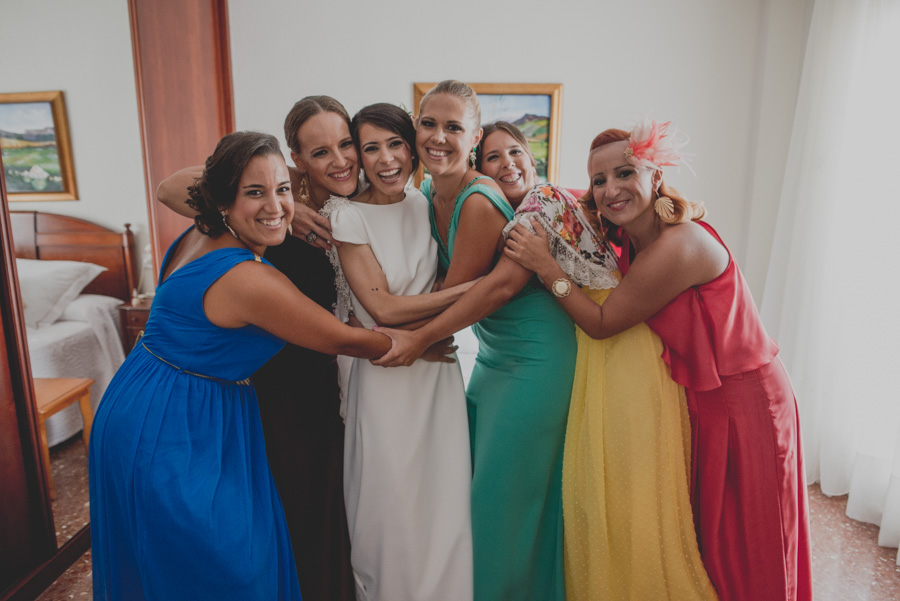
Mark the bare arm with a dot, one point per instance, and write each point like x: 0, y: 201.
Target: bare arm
x: 173, y: 193
x: 370, y: 285
x: 479, y: 236
x: 489, y: 294
x: 680, y: 258
x: 258, y: 294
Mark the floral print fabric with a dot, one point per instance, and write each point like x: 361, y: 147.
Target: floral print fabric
x: 583, y: 255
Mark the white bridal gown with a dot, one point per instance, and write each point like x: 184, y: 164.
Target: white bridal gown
x: 407, y: 467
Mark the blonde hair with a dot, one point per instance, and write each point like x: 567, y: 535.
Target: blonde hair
x: 460, y: 90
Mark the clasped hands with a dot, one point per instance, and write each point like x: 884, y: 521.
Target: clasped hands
x: 531, y: 250
x: 407, y: 347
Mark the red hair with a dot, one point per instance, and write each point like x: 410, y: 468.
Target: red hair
x: 684, y: 209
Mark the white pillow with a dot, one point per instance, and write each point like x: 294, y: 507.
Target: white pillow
x: 49, y: 286
x: 89, y: 306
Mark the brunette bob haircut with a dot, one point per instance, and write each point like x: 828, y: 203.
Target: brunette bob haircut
x: 390, y: 118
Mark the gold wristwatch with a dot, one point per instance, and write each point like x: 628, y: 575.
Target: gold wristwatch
x: 561, y: 287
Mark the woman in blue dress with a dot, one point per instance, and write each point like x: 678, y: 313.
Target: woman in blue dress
x: 183, y: 505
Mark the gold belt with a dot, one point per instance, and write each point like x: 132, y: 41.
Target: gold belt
x: 244, y: 382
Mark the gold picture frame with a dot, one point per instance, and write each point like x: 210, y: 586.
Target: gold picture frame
x: 35, y: 148
x: 506, y: 101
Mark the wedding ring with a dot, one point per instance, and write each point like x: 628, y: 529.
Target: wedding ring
x: 312, y: 237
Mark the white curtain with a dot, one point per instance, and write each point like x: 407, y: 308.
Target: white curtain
x: 832, y: 294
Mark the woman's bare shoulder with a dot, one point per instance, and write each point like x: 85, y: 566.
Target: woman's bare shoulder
x: 690, y: 244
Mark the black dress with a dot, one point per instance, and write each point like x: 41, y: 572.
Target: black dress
x: 299, y: 401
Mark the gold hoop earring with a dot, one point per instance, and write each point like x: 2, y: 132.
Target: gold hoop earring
x: 665, y: 208
x: 228, y: 227
x: 303, y: 189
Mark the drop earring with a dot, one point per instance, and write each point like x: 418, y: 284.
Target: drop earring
x: 665, y: 208
x: 228, y: 227
x: 473, y: 156
x: 303, y: 189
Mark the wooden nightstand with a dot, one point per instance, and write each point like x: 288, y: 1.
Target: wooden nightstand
x: 134, y: 316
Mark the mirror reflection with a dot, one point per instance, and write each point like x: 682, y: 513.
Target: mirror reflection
x: 69, y: 478
x: 76, y: 280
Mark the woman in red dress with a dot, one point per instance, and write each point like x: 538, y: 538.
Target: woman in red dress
x: 747, y: 484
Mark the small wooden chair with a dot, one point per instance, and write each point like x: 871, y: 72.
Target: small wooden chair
x: 52, y: 395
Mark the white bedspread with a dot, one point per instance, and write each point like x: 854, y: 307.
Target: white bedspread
x: 85, y: 343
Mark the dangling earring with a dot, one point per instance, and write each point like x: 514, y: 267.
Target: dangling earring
x: 473, y: 156
x: 228, y: 227
x: 665, y: 208
x: 303, y: 189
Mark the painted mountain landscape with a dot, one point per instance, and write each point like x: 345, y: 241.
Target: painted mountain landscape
x: 28, y: 146
x: 530, y: 113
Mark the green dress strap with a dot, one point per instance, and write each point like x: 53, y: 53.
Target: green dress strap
x: 445, y: 252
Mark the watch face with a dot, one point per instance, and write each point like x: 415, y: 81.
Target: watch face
x: 561, y: 287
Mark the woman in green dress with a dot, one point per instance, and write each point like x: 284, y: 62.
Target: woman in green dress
x: 518, y: 395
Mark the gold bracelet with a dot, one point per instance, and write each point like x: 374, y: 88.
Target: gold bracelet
x: 561, y: 287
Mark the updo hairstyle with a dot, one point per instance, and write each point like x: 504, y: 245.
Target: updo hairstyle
x: 684, y: 210
x: 306, y: 108
x: 216, y: 190
x: 462, y: 91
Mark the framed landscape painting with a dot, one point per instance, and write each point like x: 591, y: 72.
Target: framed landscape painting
x: 34, y: 145
x: 534, y: 108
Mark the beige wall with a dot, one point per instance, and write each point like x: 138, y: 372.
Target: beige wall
x: 83, y: 49
x: 726, y: 71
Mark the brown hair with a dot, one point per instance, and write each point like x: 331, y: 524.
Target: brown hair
x: 304, y: 109
x: 388, y: 117
x: 216, y: 189
x: 684, y: 209
x: 509, y: 128
x: 462, y: 91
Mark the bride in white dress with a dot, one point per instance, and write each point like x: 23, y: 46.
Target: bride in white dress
x: 407, y: 467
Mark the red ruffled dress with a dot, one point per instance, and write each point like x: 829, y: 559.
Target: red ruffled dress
x: 748, y: 489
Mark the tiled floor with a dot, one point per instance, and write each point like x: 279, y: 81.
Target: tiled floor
x: 68, y: 468
x: 848, y: 565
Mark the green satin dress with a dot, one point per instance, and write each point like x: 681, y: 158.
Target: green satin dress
x: 518, y: 404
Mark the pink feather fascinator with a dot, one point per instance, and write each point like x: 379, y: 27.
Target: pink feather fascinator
x: 652, y: 145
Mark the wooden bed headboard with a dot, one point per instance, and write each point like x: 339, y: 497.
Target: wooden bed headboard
x: 51, y: 237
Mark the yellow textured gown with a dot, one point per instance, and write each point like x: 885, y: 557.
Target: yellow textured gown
x: 629, y: 531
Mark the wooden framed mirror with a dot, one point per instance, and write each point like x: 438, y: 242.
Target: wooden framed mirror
x: 30, y: 557
x: 171, y: 81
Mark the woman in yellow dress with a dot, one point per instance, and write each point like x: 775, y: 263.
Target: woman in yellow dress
x: 629, y: 530
x: 628, y: 525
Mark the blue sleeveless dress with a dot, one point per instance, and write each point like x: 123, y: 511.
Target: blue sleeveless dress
x: 183, y: 505
x: 518, y: 403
